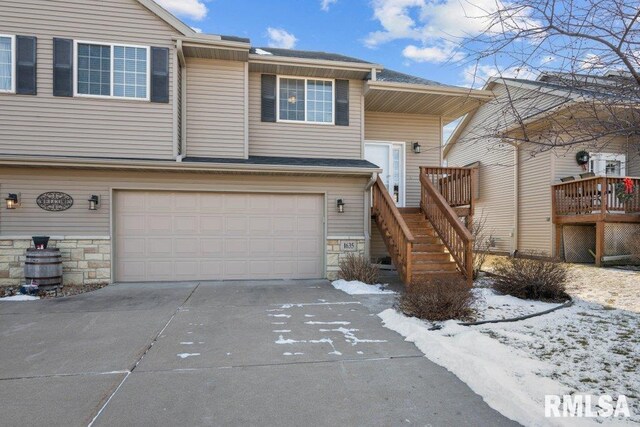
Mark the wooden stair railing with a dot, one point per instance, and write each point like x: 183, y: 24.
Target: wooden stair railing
x: 455, y: 236
x: 397, y: 236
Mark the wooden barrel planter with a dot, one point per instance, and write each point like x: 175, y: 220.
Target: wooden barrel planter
x: 43, y: 267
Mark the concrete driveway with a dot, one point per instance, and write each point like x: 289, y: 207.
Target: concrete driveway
x: 225, y: 353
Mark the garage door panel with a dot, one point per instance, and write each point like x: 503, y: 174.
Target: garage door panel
x: 217, y: 236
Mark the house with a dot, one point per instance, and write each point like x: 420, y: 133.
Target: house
x: 516, y: 178
x: 150, y: 152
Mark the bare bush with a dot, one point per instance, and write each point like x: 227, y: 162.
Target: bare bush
x: 481, y: 244
x: 438, y: 300
x: 531, y: 277
x: 357, y: 267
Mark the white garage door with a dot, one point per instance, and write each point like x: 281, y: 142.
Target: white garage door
x: 162, y: 236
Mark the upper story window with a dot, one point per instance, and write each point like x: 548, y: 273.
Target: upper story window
x: 608, y: 164
x: 118, y: 71
x: 305, y: 100
x: 7, y: 63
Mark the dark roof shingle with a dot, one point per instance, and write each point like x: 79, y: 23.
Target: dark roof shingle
x: 287, y: 161
x: 308, y: 54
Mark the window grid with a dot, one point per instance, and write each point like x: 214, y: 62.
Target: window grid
x: 121, y: 72
x: 94, y: 69
x: 320, y: 101
x: 130, y: 72
x: 292, y: 99
x: 6, y: 63
x: 305, y: 100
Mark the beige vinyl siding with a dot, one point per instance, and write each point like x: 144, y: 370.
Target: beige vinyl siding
x: 305, y: 139
x: 30, y: 219
x: 78, y: 126
x: 215, y: 108
x: 564, y: 159
x: 535, y: 226
x: 408, y: 128
x: 496, y: 175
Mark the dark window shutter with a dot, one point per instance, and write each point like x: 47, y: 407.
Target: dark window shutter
x: 160, y: 74
x: 342, y: 102
x: 268, y: 103
x: 62, y: 67
x: 26, y: 65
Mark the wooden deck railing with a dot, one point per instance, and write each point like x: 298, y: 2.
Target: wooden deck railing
x: 395, y: 232
x: 457, y: 185
x: 455, y: 236
x: 597, y: 195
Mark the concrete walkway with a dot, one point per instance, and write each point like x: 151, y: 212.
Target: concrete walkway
x: 232, y: 353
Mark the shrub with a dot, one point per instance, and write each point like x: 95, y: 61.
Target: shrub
x: 481, y: 244
x: 357, y: 267
x: 531, y: 277
x: 438, y: 300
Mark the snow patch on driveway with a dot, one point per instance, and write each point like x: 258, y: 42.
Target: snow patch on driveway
x: 358, y: 288
x: 20, y: 298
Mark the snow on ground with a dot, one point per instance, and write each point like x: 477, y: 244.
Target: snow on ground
x: 490, y: 306
x: 20, y: 298
x: 584, y: 349
x: 358, y: 288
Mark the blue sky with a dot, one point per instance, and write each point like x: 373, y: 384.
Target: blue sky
x: 412, y: 36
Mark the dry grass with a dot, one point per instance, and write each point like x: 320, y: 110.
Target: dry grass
x: 357, y: 267
x: 438, y: 300
x: 532, y: 277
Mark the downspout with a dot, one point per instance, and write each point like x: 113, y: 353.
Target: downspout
x: 516, y: 197
x: 183, y: 94
x: 367, y: 215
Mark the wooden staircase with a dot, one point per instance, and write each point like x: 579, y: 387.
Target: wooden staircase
x: 429, y: 241
x: 429, y: 255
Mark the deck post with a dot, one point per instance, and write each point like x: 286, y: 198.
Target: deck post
x: 599, y: 242
x: 558, y: 248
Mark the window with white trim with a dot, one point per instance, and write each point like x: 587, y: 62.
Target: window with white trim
x: 607, y: 164
x: 7, y: 63
x: 112, y: 70
x: 306, y: 100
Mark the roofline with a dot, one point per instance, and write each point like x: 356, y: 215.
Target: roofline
x: 168, y: 17
x: 214, y: 43
x: 170, y: 165
x: 287, y: 60
x: 430, y: 89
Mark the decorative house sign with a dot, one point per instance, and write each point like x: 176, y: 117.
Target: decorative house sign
x: 348, y: 245
x: 54, y: 201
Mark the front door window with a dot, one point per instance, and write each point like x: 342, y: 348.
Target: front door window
x: 389, y: 156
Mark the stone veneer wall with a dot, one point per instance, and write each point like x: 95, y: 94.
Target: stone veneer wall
x: 84, y: 261
x: 335, y: 254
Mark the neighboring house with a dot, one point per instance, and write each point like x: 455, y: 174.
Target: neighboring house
x: 150, y: 152
x: 514, y: 194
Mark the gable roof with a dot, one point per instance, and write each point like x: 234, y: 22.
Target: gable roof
x: 168, y: 17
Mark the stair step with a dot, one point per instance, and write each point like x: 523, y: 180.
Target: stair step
x: 419, y: 257
x: 426, y: 240
x: 434, y: 266
x: 428, y: 247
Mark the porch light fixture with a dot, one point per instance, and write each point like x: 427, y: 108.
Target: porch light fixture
x: 13, y: 201
x: 340, y: 205
x: 94, y: 201
x: 416, y: 148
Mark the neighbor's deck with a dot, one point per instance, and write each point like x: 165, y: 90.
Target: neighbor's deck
x: 595, y: 201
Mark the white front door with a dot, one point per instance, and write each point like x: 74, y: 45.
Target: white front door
x: 390, y: 157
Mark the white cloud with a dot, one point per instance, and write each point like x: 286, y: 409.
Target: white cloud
x: 196, y: 29
x: 279, y: 37
x: 592, y: 62
x: 326, y: 4
x: 431, y: 54
x: 438, y: 25
x: 193, y: 9
x: 477, y: 75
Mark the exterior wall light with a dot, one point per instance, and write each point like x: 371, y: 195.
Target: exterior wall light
x: 13, y: 201
x: 416, y: 148
x: 340, y: 205
x: 94, y: 201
